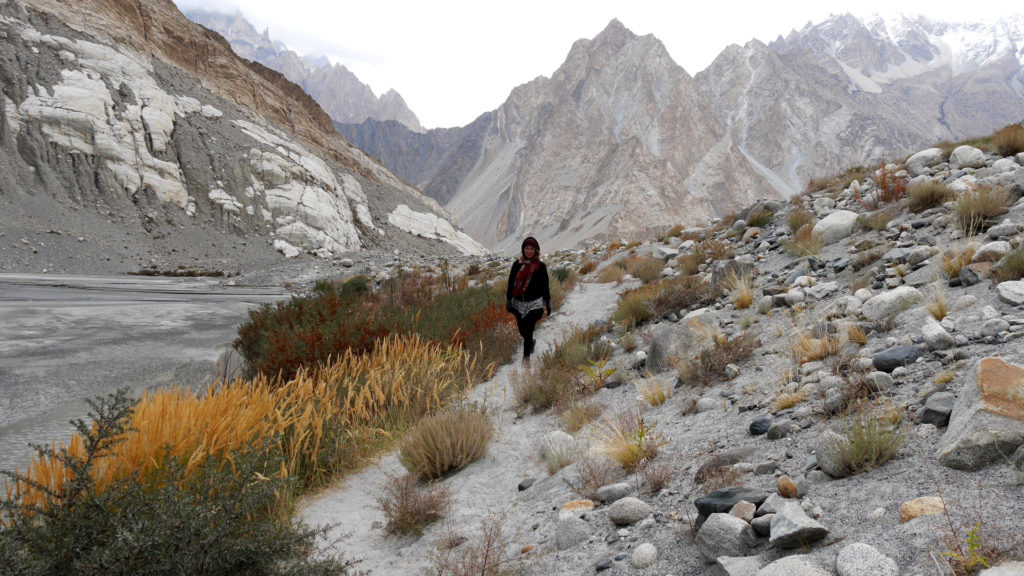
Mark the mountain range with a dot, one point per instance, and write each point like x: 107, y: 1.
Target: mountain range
x: 620, y: 140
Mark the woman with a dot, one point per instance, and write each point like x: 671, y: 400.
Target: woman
x: 528, y: 295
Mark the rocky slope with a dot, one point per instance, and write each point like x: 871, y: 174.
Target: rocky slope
x: 621, y: 140
x: 132, y: 138
x: 338, y: 91
x: 768, y: 428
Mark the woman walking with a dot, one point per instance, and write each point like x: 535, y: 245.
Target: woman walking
x: 528, y: 295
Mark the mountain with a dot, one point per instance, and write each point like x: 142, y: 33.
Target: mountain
x: 621, y: 140
x: 131, y: 137
x: 341, y: 94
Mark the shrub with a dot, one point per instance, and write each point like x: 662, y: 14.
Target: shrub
x: 804, y: 242
x: 937, y: 305
x: 628, y: 439
x: 709, y: 364
x: 720, y: 477
x: 806, y: 348
x: 645, y: 268
x: 1010, y: 268
x: 799, y: 218
x: 655, y: 475
x: 877, y: 220
x: 891, y: 187
x: 855, y: 333
x: 713, y: 249
x: 975, y: 209
x: 488, y: 556
x: 446, y: 442
x: 656, y: 300
x: 192, y: 518
x: 409, y: 507
x: 672, y: 232
x: 867, y: 438
x: 759, y: 217
x: 544, y: 388
x: 866, y: 258
x: 579, y: 414
x: 688, y: 264
x: 562, y: 454
x: 653, y: 391
x: 591, y: 474
x: 611, y: 274
x: 928, y: 195
x: 818, y: 184
x: 1009, y: 140
x: 561, y: 273
x: 785, y: 400
x: 587, y: 267
x: 561, y: 374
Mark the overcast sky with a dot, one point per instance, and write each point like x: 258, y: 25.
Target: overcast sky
x: 452, y: 60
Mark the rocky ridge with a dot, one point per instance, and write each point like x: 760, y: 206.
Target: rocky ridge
x: 131, y: 138
x: 338, y: 91
x: 755, y: 487
x: 620, y: 140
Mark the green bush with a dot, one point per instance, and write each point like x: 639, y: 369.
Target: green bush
x: 866, y: 439
x: 214, y: 520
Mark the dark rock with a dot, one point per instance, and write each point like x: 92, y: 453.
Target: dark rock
x: 968, y: 277
x: 723, y: 500
x: 760, y: 425
x: 814, y: 263
x: 621, y: 557
x: 781, y: 429
x: 892, y: 358
x: 938, y: 408
x: 841, y: 264
x: 526, y: 483
x: 918, y: 224
x: 604, y: 565
x: 953, y: 282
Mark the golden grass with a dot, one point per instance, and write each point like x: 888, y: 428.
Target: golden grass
x: 855, y: 333
x: 937, y: 305
x: 975, y: 209
x: 805, y: 242
x: 445, y: 442
x: 628, y: 438
x: 787, y: 400
x: 1009, y: 140
x: 944, y: 377
x: 654, y: 392
x: 805, y: 348
x: 611, y: 274
x: 353, y: 402
x: 579, y: 414
x: 645, y: 268
x: 799, y: 218
x: 688, y: 264
x: 953, y: 258
x: 741, y: 289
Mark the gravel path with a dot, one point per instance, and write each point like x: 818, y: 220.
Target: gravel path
x: 488, y: 485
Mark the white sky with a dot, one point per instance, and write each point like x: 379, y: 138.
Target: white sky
x: 452, y: 60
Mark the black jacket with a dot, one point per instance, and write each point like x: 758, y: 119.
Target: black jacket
x: 537, y: 288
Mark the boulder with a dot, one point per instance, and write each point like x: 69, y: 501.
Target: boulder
x: 723, y: 500
x: 724, y: 535
x: 628, y: 510
x: 922, y: 162
x: 992, y: 251
x: 1011, y: 292
x: 859, y: 559
x: 796, y: 565
x: 782, y: 428
x: 687, y: 337
x: 892, y: 358
x: 935, y: 336
x: 1004, y: 569
x: 613, y: 492
x: 760, y: 425
x: 937, y: 409
x: 792, y: 527
x: 836, y: 226
x: 826, y: 453
x: 892, y: 302
x: 966, y: 157
x: 736, y: 566
x: 987, y: 422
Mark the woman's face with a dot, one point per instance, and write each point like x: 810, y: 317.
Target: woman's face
x: 529, y: 251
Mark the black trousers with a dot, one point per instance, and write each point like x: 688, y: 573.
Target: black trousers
x: 526, y: 324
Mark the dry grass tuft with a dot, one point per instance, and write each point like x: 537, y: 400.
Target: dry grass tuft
x: 487, y: 556
x: 688, y: 264
x: 709, y: 364
x: 713, y: 249
x: 672, y: 232
x: 661, y: 299
x: 628, y: 438
x: 855, y: 333
x: 944, y: 377
x: 587, y: 267
x: 806, y: 348
x: 654, y: 392
x: 579, y: 414
x: 446, y: 442
x: 928, y: 195
x: 741, y: 289
x: 759, y: 217
x: 1009, y: 140
x: 656, y: 475
x: 409, y: 507
x: 611, y: 274
x: 804, y: 242
x: 799, y: 218
x: 975, y: 209
x: 937, y: 305
x: 593, y: 473
x: 720, y: 477
x: 1010, y: 268
x: 878, y: 219
x: 869, y: 436
x: 786, y: 400
x: 953, y: 258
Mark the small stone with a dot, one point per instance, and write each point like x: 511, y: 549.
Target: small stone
x: 613, y: 492
x: 924, y: 506
x: 724, y: 535
x: 938, y: 408
x: 762, y: 524
x: 888, y: 360
x: 792, y: 527
x: 603, y: 565
x: 723, y: 500
x: 645, y: 555
x: 859, y: 559
x: 877, y: 514
x: 1004, y: 569
x: 526, y: 483
x: 782, y: 428
x: 1011, y: 292
x: 787, y: 488
x: 347, y: 263
x: 743, y: 510
x: 878, y: 381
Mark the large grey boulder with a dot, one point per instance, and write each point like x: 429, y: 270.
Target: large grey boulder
x: 859, y: 559
x: 836, y: 226
x: 987, y: 422
x: 966, y: 157
x: 922, y: 162
x: 797, y: 565
x: 892, y: 302
x: 792, y: 527
x: 1011, y: 292
x: 724, y: 535
x: 687, y: 337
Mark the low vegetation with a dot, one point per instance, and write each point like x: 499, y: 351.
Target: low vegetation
x: 975, y: 209
x: 741, y: 289
x: 759, y: 217
x: 409, y: 506
x: 701, y: 369
x: 445, y: 442
x: 799, y: 218
x: 928, y: 195
x: 653, y: 391
x: 661, y: 299
x: 955, y: 257
x: 489, y: 555
x: 562, y: 378
x: 1009, y: 140
x: 804, y: 242
x: 868, y: 437
x: 1010, y: 267
x: 628, y: 438
x: 878, y: 219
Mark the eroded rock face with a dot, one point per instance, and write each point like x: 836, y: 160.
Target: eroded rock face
x: 987, y: 422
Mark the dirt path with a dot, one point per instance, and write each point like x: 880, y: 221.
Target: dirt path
x: 488, y: 485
